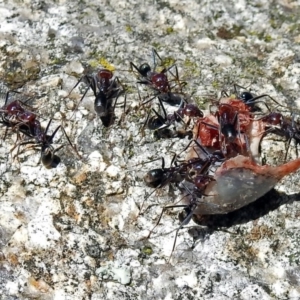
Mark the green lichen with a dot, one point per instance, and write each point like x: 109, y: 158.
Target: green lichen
x: 294, y: 28
x: 200, y: 102
x: 267, y: 38
x: 169, y: 30
x: 215, y: 84
x: 294, y: 258
x: 168, y: 62
x: 128, y: 28
x: 156, y: 45
x: 147, y: 250
x: 229, y: 33
x: 57, y: 61
x: 19, y: 72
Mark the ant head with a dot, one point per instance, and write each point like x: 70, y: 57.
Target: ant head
x: 154, y: 177
x: 48, y: 158
x: 104, y: 74
x: 144, y: 69
x: 246, y: 96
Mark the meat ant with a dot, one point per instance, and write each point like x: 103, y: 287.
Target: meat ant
x: 158, y: 81
x: 39, y: 138
x: 194, y: 183
x: 222, y: 130
x: 249, y: 99
x: 160, y: 177
x: 15, y: 116
x: 160, y: 123
x: 105, y: 89
x: 276, y: 123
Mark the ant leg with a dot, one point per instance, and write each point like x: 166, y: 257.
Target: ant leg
x: 224, y: 94
x: 73, y: 146
x: 287, y: 149
x: 162, y: 184
x: 7, y: 96
x: 162, y: 212
x: 91, y: 84
x: 133, y: 66
x: 21, y: 144
x: 152, y: 98
x: 142, y: 129
x: 184, y: 222
x: 253, y: 101
x: 155, y: 54
x: 235, y: 86
x: 117, y: 82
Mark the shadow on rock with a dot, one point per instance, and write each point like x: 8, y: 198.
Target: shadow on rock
x: 269, y: 202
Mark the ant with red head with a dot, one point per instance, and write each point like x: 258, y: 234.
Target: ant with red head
x: 38, y: 137
x: 222, y: 129
x: 14, y: 115
x: 249, y: 99
x: 192, y: 184
x: 158, y: 81
x: 278, y: 124
x: 160, y: 123
x: 191, y: 170
x: 105, y: 89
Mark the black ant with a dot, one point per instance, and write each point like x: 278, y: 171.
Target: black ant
x: 160, y: 177
x: 158, y: 81
x: 166, y: 133
x: 105, y: 89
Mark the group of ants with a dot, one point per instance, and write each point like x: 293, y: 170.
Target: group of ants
x: 190, y: 176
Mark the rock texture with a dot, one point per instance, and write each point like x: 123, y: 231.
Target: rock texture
x: 74, y: 232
